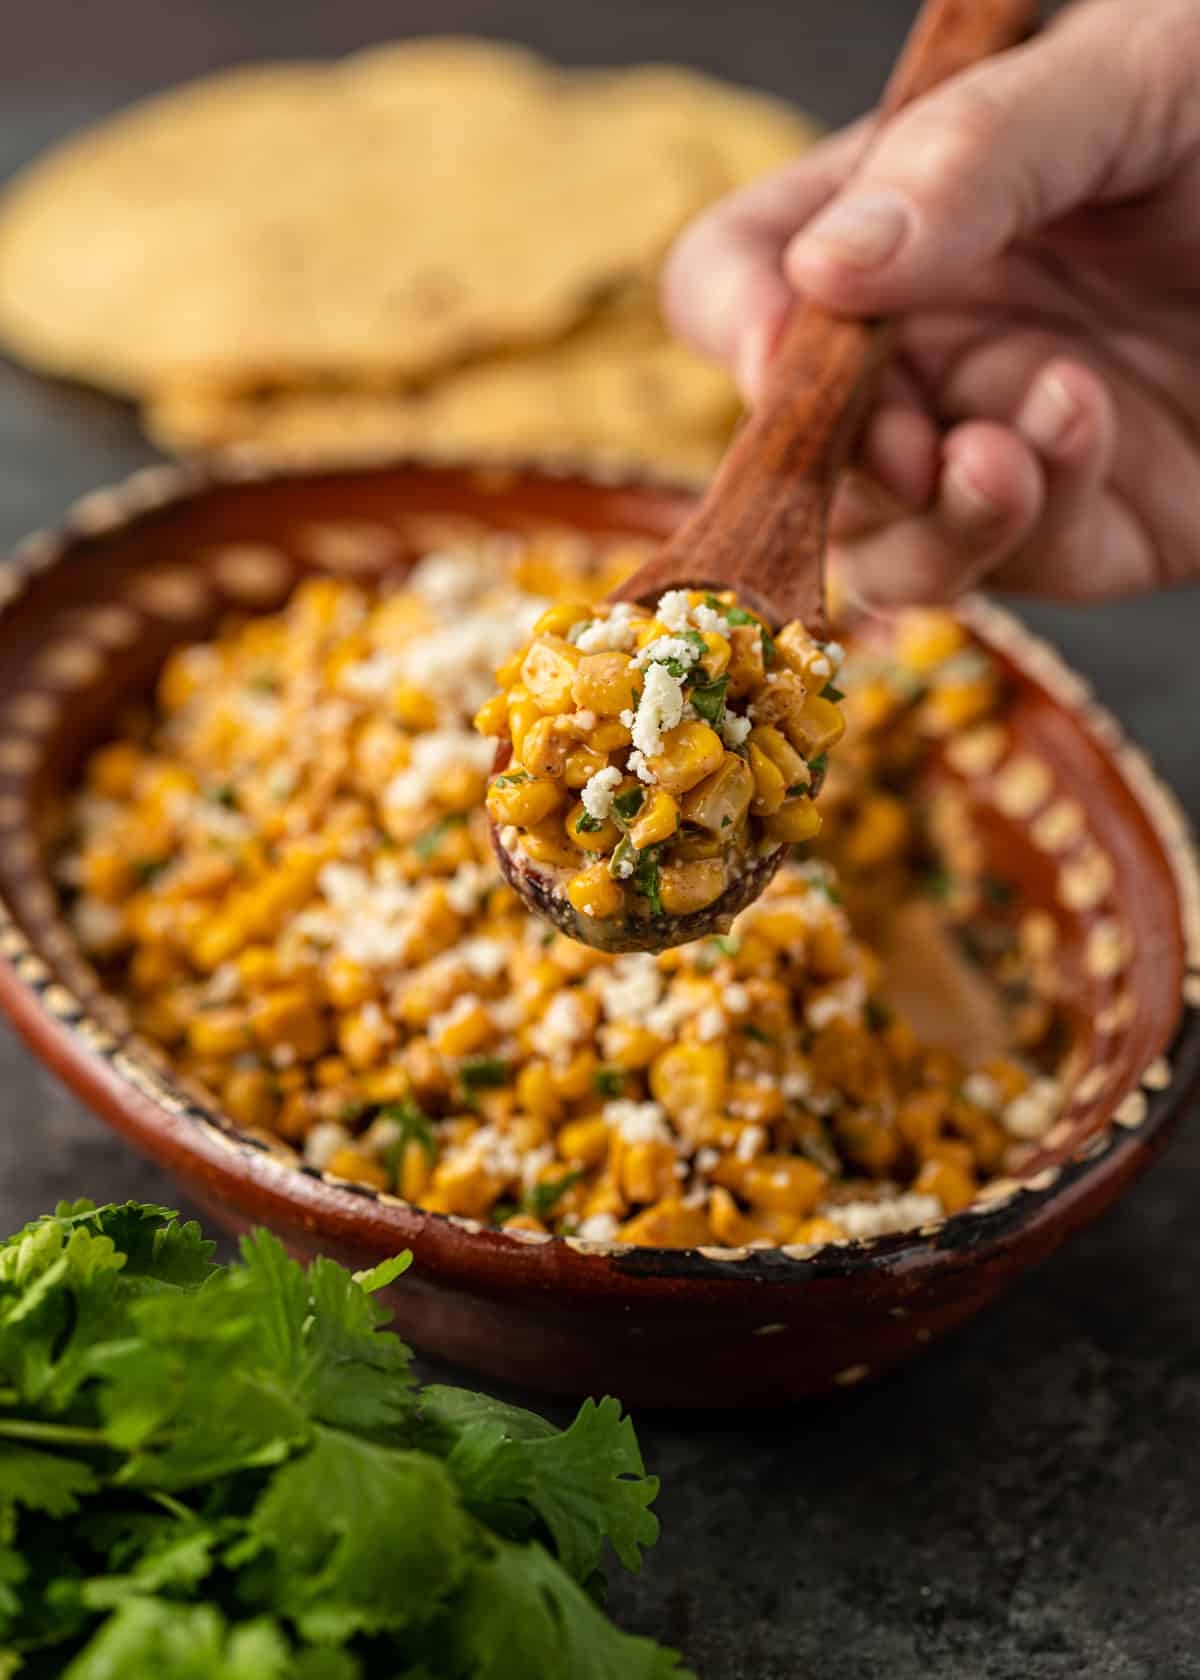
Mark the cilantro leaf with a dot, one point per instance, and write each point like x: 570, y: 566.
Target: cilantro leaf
x: 608, y: 1081
x: 541, y: 1199
x: 42, y: 1481
x: 428, y: 845
x: 352, y: 1537
x: 172, y: 1641
x: 647, y: 878
x: 817, y: 766
x: 627, y: 805
x: 588, y: 824
x: 483, y: 1073
x: 831, y: 691
x: 709, y: 700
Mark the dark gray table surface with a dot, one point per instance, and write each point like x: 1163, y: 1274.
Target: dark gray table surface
x: 1025, y: 1503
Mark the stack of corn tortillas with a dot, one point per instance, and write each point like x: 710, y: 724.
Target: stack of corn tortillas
x: 445, y: 246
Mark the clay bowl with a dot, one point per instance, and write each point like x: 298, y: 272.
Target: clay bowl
x: 1074, y: 812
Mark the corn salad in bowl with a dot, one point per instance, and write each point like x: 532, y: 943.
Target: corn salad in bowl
x: 655, y: 766
x: 284, y: 867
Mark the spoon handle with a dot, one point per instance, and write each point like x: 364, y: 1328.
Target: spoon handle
x: 760, y: 528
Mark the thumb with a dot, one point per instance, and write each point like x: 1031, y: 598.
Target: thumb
x: 1096, y: 109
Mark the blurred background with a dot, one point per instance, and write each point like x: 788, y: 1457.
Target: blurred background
x: 1013, y: 1507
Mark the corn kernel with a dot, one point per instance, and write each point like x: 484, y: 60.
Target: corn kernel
x: 657, y: 819
x: 605, y: 683
x: 523, y: 802
x: 593, y: 892
x: 548, y: 672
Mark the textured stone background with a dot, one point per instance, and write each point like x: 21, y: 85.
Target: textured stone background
x: 1023, y: 1504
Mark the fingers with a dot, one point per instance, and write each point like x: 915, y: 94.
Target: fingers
x: 1097, y: 108
x: 988, y: 494
x: 723, y: 287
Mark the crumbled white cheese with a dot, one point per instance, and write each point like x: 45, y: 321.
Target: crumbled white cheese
x: 614, y: 634
x: 99, y: 926
x: 663, y: 648
x: 598, y: 1227
x: 735, y: 729
x: 629, y: 987
x: 750, y: 1143
x: 638, y: 1122
x: 1031, y: 1115
x: 561, y: 1028
x: 843, y: 1001
x: 323, y: 1143
x: 883, y: 1218
x: 468, y: 884
x: 674, y: 610
x: 598, y: 790
x: 736, y: 998
x: 484, y: 957
x: 710, y: 1023
x: 454, y: 577
x: 659, y: 709
x: 707, y: 1158
x: 432, y: 756
x: 460, y: 1010
x: 982, y: 1090
x: 637, y: 763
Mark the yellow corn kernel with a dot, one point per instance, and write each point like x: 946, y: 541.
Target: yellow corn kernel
x: 605, y: 683
x: 719, y: 803
x: 462, y: 1030
x: 415, y: 1170
x: 729, y: 1226
x: 413, y: 707
x: 185, y: 673
x: 548, y: 672
x: 926, y: 636
x: 761, y: 1105
x: 492, y: 717
x: 348, y: 983
x: 879, y: 833
x: 113, y: 770
x: 584, y: 1143
x: 331, y: 1073
x: 152, y: 967
x: 656, y: 821
x: 543, y: 749
x: 608, y: 735
x: 794, y: 822
x: 547, y: 842
x: 522, y: 715
x: 364, y: 1035
x: 715, y: 658
x: 536, y: 1093
x: 461, y: 1185
x: 747, y: 670
x: 770, y: 789
x: 385, y: 1085
x: 796, y: 651
x: 559, y: 618
x: 953, y: 705
x: 782, y: 754
x: 690, y: 886
x: 590, y: 838
x: 582, y: 763
x: 784, y: 1184
x: 689, y: 752
x: 295, y: 1116
x: 871, y: 1143
x: 219, y: 1032
x: 508, y: 674
x: 1010, y: 1077
x: 289, y: 1017
x: 919, y: 1119
x: 645, y: 1170
x: 358, y: 1168
x: 987, y: 1138
x: 574, y: 1080
x: 954, y: 1186
x: 689, y: 1080
x: 107, y: 873
x: 629, y: 1045
x: 524, y: 802
x: 248, y: 1098
x: 649, y: 630
x: 819, y: 726
x: 817, y: 1231
x: 668, y: 1225
x: 593, y: 892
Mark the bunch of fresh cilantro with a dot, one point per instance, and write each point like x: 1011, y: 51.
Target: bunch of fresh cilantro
x: 228, y: 1471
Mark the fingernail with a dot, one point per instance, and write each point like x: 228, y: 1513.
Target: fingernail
x: 967, y: 504
x: 751, y: 358
x: 1049, y: 412
x: 857, y: 232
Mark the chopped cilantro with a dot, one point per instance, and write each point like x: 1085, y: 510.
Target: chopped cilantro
x: 224, y: 793
x: 540, y: 1199
x: 726, y: 821
x: 756, y: 1033
x: 831, y: 691
x: 428, y: 845
x: 673, y: 667
x: 709, y: 700
x: 817, y: 766
x: 511, y: 778
x: 648, y: 880
x: 483, y: 1073
x: 627, y: 805
x: 727, y: 943
x: 996, y: 891
x: 588, y: 824
x: 733, y: 615
x: 265, y: 680
x: 696, y: 639
x: 798, y: 787
x: 608, y: 1081
x: 878, y: 1014
x: 415, y: 1127
x: 938, y: 882
x: 147, y: 870
x: 768, y: 645
x: 624, y: 852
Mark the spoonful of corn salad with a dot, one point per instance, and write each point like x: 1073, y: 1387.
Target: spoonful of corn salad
x: 654, y: 767
x: 656, y: 761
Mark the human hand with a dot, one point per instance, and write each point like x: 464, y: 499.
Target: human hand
x: 1034, y: 228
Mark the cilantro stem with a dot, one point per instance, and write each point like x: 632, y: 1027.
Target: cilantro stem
x: 65, y: 1434
x: 174, y: 1506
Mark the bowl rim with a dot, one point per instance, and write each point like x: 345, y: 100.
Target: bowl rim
x: 115, y: 1078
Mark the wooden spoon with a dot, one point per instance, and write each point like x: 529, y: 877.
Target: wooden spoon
x: 761, y: 526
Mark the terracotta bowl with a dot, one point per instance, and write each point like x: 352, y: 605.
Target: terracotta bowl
x: 1074, y: 812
